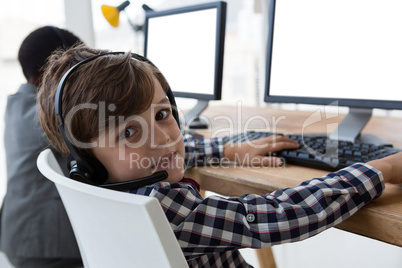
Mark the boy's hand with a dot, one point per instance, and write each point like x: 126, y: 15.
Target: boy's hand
x: 256, y: 152
x: 390, y: 166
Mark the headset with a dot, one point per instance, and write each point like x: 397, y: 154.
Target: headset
x: 88, y: 169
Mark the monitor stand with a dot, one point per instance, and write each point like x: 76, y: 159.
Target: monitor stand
x: 192, y: 119
x: 350, y: 127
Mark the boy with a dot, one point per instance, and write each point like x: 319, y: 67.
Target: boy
x: 137, y: 135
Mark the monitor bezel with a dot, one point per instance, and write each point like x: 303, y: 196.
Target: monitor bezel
x: 219, y: 45
x: 352, y: 103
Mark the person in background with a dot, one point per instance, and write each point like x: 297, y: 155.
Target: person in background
x: 35, y: 229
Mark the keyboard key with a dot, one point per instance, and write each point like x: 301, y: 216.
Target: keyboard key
x: 303, y: 155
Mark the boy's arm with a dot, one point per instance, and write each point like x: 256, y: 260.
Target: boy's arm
x: 312, y: 206
x: 283, y: 216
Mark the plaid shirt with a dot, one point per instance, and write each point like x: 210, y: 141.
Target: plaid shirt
x: 211, y: 230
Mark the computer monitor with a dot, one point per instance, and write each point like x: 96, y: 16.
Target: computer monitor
x: 342, y: 52
x: 187, y: 45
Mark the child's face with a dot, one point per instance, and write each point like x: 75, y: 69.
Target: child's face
x: 143, y: 144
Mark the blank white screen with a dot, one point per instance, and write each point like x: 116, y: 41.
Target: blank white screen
x: 338, y: 49
x: 182, y: 46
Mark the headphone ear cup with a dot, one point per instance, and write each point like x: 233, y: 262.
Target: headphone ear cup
x: 93, y: 173
x: 80, y: 174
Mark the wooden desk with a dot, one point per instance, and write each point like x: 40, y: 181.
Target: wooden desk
x: 381, y: 219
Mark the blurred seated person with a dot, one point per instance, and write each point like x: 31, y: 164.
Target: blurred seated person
x: 35, y: 229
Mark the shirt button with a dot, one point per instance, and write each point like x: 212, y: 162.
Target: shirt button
x: 250, y: 217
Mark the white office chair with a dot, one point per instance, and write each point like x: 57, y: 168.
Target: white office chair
x: 114, y: 229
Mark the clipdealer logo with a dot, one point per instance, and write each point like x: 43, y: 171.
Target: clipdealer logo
x: 324, y: 113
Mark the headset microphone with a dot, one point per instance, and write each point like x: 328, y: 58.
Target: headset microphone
x: 138, y: 183
x: 88, y: 169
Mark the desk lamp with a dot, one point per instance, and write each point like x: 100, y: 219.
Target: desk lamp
x: 111, y: 14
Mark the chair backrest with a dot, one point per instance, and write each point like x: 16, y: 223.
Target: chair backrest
x: 112, y: 228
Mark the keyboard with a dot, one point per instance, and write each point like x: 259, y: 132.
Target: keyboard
x: 321, y: 152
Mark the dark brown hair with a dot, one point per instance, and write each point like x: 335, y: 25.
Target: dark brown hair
x: 118, y: 80
x: 38, y: 46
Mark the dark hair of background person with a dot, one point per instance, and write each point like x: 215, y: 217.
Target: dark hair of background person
x: 38, y: 46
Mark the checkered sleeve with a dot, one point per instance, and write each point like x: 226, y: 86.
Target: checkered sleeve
x: 218, y: 224
x: 202, y: 151
x: 294, y: 214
